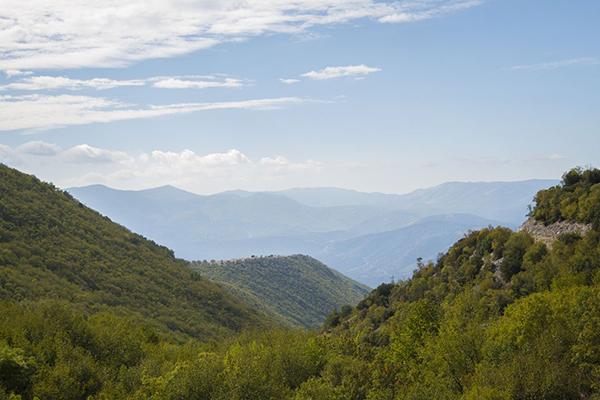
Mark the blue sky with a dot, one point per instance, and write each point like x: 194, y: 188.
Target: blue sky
x: 379, y: 96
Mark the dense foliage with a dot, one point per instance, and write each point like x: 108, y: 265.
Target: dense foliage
x: 53, y: 247
x: 299, y: 289
x: 499, y: 316
x: 577, y: 198
x: 50, y: 350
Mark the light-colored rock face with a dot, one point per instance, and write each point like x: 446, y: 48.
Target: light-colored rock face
x: 547, y: 234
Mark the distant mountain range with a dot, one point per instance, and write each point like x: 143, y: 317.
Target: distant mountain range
x: 388, y: 255
x: 367, y: 236
x: 297, y: 289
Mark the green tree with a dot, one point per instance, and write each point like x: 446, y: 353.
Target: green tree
x: 515, y: 248
x: 16, y: 370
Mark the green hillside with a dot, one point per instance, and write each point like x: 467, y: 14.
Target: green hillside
x: 299, y: 289
x: 498, y: 317
x: 576, y: 199
x: 52, y: 247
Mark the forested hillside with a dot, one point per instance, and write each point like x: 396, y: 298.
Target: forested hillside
x: 577, y: 199
x: 499, y: 316
x: 53, y: 247
x: 299, y: 289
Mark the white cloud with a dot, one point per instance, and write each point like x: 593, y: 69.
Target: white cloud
x: 61, y: 82
x: 419, y: 11
x: 552, y: 65
x: 84, y: 153
x: 289, y: 81
x: 59, y: 34
x: 11, y: 73
x: 281, y: 163
x: 39, y: 148
x: 9, y: 156
x: 338, y: 72
x: 40, y: 112
x: 195, y: 83
x: 188, y: 160
x: 402, y: 17
x: 164, y: 82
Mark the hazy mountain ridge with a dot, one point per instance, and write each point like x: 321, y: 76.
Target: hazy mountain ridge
x: 314, y: 221
x: 379, y: 257
x: 494, y: 200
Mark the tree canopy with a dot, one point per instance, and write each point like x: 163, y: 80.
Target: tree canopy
x: 53, y: 247
x: 577, y: 199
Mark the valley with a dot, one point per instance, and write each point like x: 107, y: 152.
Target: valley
x: 89, y: 309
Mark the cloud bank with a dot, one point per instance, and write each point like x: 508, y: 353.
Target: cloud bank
x: 41, y: 112
x: 185, y: 168
x: 61, y: 34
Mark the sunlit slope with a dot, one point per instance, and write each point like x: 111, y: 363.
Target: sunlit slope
x: 52, y: 246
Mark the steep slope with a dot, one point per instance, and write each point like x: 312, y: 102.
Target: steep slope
x: 378, y: 257
x: 576, y: 199
x: 53, y: 247
x: 498, y: 316
x: 299, y: 289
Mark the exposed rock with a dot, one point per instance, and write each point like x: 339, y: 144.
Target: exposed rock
x: 547, y: 234
x: 497, y: 272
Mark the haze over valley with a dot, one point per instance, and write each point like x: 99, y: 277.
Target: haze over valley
x: 370, y: 237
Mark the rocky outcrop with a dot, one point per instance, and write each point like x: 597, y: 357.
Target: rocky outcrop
x: 497, y: 272
x: 549, y: 233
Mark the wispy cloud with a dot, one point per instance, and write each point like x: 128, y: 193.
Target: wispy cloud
x: 552, y: 65
x: 59, y: 34
x: 61, y: 82
x: 426, y: 10
x: 192, y: 82
x: 289, y: 81
x: 38, y: 83
x: 84, y: 153
x: 338, y: 72
x: 40, y: 112
x: 9, y: 156
x: 11, y: 73
x: 39, y: 148
x: 555, y: 157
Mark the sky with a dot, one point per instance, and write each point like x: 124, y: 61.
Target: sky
x: 212, y: 95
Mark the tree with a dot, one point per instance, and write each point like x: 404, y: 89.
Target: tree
x: 514, y: 250
x: 16, y: 370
